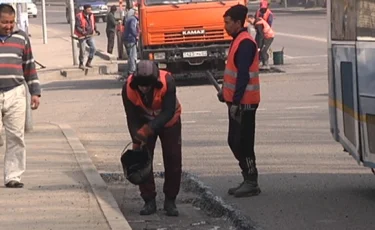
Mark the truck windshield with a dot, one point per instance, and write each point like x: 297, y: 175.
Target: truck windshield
x: 175, y: 2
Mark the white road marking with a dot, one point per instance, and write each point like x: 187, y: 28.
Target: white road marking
x: 318, y: 39
x: 302, y: 107
x: 304, y: 57
x: 199, y: 111
x: 188, y: 122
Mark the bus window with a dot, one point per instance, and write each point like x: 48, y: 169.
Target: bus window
x: 366, y: 19
x: 343, y: 19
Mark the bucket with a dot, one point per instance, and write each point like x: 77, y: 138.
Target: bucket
x: 278, y: 57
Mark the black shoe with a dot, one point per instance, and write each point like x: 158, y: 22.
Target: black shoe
x: 170, y: 207
x: 14, y: 184
x: 149, y: 208
x: 88, y: 63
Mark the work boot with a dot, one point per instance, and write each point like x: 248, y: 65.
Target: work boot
x: 81, y: 65
x: 170, y: 207
x: 248, y: 188
x: 88, y: 63
x: 231, y: 191
x: 149, y: 208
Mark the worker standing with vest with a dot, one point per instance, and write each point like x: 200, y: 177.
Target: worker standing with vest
x: 240, y: 91
x: 264, y: 38
x: 153, y: 110
x: 264, y: 12
x: 84, y: 29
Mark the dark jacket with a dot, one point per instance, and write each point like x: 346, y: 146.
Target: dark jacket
x: 111, y: 22
x: 134, y: 114
x: 131, y: 30
x: 78, y: 26
x: 243, y: 59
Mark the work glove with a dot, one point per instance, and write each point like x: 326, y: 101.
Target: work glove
x: 143, y: 133
x: 97, y: 32
x: 220, y: 96
x: 234, y: 111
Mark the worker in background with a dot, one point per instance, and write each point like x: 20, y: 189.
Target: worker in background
x: 130, y: 38
x: 84, y: 29
x: 153, y: 110
x: 111, y: 29
x: 241, y: 92
x: 264, y: 12
x: 264, y: 38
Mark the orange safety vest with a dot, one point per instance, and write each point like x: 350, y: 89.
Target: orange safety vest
x: 252, y: 92
x: 156, y: 107
x: 265, y: 16
x: 84, y: 23
x: 267, y: 30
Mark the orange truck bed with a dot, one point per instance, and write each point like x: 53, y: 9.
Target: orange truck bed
x: 185, y: 37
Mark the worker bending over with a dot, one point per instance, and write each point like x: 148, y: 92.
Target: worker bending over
x: 153, y: 110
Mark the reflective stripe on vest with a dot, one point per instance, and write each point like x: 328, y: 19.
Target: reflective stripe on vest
x: 156, y: 107
x: 252, y: 91
x: 84, y: 23
x: 267, y: 30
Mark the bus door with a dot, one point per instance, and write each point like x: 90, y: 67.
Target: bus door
x: 366, y: 78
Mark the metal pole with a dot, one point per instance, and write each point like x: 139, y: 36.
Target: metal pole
x: 286, y: 3
x: 44, y: 21
x: 72, y: 24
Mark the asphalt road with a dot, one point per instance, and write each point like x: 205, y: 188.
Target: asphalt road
x: 303, y: 37
x: 307, y: 181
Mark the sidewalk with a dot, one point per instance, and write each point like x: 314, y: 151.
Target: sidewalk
x: 62, y: 189
x: 57, y: 56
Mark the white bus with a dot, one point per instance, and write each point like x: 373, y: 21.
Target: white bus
x: 351, y: 77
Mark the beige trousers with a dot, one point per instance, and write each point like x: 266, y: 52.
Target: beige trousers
x: 13, y: 111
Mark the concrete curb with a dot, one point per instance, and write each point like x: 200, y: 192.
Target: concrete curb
x: 207, y: 201
x: 105, y: 199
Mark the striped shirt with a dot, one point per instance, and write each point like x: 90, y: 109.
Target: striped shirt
x: 17, y: 63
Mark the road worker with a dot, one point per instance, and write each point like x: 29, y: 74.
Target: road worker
x: 240, y: 91
x: 153, y: 110
x: 264, y: 12
x: 84, y: 29
x: 264, y: 38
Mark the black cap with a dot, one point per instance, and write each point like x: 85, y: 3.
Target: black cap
x: 147, y: 74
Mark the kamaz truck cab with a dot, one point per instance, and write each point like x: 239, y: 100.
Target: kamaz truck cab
x: 185, y: 37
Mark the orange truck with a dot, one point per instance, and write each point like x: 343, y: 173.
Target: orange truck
x: 185, y: 37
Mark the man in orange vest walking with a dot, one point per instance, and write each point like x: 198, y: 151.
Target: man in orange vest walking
x: 84, y: 29
x: 153, y: 110
x: 264, y: 38
x: 240, y: 91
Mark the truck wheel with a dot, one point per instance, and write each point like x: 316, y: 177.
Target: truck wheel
x: 104, y: 19
x: 96, y: 19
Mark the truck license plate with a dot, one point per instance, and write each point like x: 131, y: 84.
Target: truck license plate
x: 194, y: 54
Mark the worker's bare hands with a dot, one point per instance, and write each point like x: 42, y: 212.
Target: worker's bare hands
x: 35, y: 101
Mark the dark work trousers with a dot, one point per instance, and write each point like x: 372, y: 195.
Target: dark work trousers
x: 170, y: 139
x: 110, y: 40
x: 264, y: 50
x: 241, y: 137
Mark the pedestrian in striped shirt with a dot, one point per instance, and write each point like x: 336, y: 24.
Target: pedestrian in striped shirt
x: 16, y: 67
